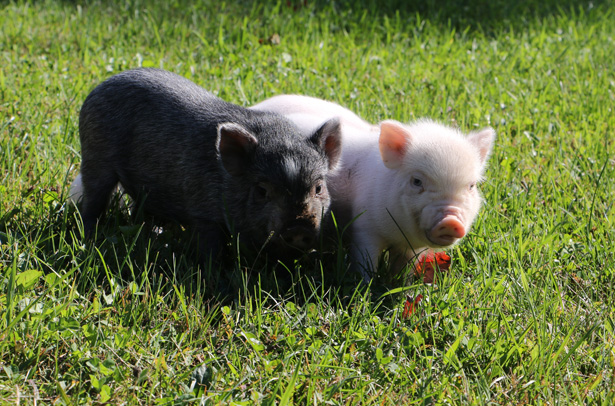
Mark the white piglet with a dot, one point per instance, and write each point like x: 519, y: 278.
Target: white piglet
x: 408, y: 187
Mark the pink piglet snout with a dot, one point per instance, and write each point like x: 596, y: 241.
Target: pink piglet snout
x: 447, y: 230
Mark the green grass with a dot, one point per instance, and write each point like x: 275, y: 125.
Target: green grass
x: 525, y: 315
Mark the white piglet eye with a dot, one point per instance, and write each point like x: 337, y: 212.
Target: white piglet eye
x: 472, y: 185
x: 416, y: 182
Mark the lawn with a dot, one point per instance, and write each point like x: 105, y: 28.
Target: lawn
x: 524, y: 315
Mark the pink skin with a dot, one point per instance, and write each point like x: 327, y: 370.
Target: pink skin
x: 447, y: 231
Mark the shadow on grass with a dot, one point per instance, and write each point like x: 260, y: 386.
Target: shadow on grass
x: 488, y: 16
x: 129, y: 252
x: 133, y: 248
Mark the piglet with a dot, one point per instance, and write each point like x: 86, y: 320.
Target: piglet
x: 407, y: 187
x: 193, y: 158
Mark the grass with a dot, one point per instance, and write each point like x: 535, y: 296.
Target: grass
x: 524, y: 316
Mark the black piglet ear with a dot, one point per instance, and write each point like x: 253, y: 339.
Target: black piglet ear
x: 235, y: 145
x: 329, y: 138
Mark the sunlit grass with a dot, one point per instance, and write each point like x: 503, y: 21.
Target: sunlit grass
x: 523, y: 316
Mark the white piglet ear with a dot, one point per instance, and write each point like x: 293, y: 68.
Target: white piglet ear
x: 394, y: 142
x: 483, y: 141
x: 329, y: 138
x: 235, y: 145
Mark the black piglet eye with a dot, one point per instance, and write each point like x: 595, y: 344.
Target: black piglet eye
x: 261, y: 192
x: 318, y: 187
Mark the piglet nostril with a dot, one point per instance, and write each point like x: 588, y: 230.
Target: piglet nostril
x: 299, y: 237
x: 447, y: 231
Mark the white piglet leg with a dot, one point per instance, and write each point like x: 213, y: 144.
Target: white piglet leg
x: 365, y: 252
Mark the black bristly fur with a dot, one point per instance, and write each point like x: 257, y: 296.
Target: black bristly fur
x: 206, y: 163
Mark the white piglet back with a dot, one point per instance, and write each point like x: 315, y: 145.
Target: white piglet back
x: 409, y: 186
